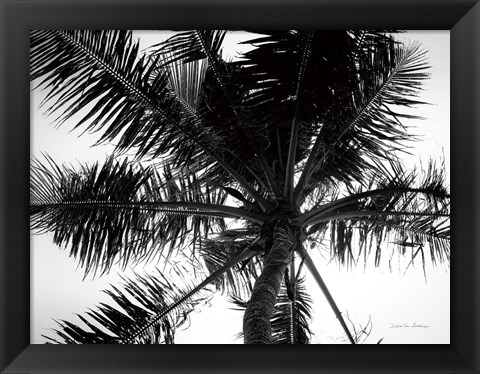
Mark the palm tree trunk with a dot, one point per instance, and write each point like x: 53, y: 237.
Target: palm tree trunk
x: 256, y: 320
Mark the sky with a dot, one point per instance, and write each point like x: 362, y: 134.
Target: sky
x: 403, y: 307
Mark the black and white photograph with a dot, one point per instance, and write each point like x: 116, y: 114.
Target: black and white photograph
x: 240, y: 187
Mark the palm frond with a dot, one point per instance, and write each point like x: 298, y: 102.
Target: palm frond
x: 186, y: 79
x: 145, y: 327
x: 117, y: 212
x: 194, y: 45
x: 128, y: 320
x: 210, y: 99
x: 388, y: 77
x: 276, y: 70
x: 221, y: 248
x: 82, y: 69
x: 221, y: 103
x: 407, y: 209
x: 282, y: 64
x: 291, y: 318
x: 284, y: 330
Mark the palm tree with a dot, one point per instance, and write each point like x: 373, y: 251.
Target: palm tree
x: 234, y: 169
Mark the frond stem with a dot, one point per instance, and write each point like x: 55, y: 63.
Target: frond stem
x: 362, y: 195
x: 318, y: 278
x: 307, y: 170
x: 245, y: 254
x: 168, y: 207
x: 213, y: 62
x: 292, y: 150
x: 369, y: 213
x: 136, y: 92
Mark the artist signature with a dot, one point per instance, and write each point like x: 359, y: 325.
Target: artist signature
x: 407, y: 325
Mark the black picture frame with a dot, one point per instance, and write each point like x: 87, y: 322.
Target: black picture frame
x: 17, y: 17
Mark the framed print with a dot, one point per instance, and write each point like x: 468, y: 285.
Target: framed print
x: 241, y: 139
